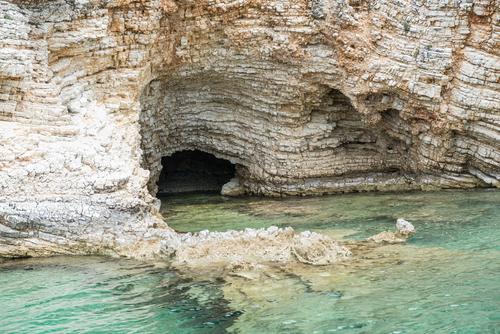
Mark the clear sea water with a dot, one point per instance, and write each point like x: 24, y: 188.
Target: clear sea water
x: 446, y: 279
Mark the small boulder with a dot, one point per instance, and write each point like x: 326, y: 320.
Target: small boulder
x: 404, y: 227
x: 233, y: 188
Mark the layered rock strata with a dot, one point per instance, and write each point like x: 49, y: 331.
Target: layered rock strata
x: 304, y: 97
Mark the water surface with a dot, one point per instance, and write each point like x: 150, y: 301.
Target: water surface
x: 445, y: 280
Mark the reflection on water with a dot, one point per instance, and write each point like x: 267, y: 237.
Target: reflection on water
x: 445, y: 280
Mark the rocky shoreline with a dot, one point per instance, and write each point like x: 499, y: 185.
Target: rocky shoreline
x: 297, y: 97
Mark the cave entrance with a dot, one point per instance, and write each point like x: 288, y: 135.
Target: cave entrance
x: 193, y: 172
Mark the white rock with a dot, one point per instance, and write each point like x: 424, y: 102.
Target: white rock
x: 404, y: 226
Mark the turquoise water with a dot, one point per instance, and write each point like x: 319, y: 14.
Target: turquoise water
x: 445, y: 280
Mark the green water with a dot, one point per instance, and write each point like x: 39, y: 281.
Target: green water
x: 445, y: 280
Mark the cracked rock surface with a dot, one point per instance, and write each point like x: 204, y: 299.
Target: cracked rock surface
x: 304, y: 97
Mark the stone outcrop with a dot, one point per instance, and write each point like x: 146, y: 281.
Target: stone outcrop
x: 233, y: 188
x: 404, y: 230
x: 249, y: 247
x: 304, y: 97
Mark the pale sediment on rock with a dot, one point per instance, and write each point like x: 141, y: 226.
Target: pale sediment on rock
x: 302, y: 97
x: 388, y: 237
x: 404, y: 230
x: 257, y: 246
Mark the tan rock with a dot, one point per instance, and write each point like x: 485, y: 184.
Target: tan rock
x: 304, y: 97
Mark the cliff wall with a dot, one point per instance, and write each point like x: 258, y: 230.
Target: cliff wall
x: 304, y: 97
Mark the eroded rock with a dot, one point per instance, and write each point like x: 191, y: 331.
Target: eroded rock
x: 304, y: 97
x: 233, y: 188
x: 404, y: 230
x: 248, y: 247
x: 405, y: 227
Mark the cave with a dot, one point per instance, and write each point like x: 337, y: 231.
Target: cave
x: 193, y: 171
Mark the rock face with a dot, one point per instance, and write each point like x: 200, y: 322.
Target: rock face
x: 304, y: 97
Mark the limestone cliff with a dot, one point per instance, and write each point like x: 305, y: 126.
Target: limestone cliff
x: 303, y: 96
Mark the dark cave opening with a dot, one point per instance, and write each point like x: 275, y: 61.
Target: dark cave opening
x: 193, y: 172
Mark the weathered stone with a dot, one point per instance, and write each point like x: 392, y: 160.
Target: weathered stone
x: 257, y: 246
x: 304, y: 97
x: 233, y: 188
x: 404, y: 227
x: 404, y: 230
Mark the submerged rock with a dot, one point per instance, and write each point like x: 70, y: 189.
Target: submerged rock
x: 277, y: 245
x: 404, y: 228
x: 387, y: 237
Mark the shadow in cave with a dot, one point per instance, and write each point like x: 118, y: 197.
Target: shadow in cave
x: 193, y: 172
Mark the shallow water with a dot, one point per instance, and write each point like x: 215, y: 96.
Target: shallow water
x: 445, y: 280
